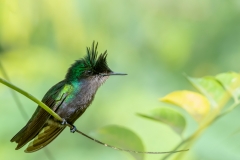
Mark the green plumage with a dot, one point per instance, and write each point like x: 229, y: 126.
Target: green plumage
x: 69, y: 99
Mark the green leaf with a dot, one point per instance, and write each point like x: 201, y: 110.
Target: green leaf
x: 212, y: 89
x: 231, y: 82
x: 168, y: 116
x: 120, y: 137
x: 194, y: 103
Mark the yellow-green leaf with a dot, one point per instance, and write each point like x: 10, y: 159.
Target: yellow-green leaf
x: 231, y: 82
x: 168, y: 116
x: 212, y: 89
x: 121, y: 137
x: 194, y: 103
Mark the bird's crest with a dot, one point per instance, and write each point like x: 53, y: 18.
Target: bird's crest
x: 91, y: 63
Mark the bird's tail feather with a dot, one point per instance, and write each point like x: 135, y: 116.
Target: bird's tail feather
x: 45, y: 136
x: 18, y: 136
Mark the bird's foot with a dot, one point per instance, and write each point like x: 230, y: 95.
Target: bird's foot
x: 73, y: 129
x: 64, y: 122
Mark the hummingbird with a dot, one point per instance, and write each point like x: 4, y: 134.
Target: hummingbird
x: 69, y: 99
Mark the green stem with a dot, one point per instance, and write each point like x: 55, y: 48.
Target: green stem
x: 232, y: 107
x: 14, y: 94
x: 201, y: 129
x: 69, y: 125
x: 41, y: 104
x: 176, y: 148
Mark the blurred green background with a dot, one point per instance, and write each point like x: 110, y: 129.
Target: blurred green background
x: 154, y: 41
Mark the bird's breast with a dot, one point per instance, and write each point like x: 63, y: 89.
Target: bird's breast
x: 76, y: 104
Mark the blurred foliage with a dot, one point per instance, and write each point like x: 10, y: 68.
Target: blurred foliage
x: 218, y: 91
x: 194, y: 103
x: 153, y: 41
x: 120, y: 136
x: 165, y: 115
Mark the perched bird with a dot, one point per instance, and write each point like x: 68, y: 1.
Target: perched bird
x: 69, y: 99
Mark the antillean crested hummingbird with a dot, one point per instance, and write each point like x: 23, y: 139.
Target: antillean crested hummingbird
x: 69, y: 99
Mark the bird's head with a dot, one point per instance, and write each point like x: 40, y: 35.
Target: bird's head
x: 92, y: 65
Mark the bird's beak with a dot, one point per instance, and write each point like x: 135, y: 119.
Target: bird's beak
x: 113, y: 73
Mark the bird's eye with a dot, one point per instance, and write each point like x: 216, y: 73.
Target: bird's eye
x: 89, y: 72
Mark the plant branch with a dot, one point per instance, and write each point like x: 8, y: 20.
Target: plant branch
x: 46, y: 108
x: 201, y: 129
x: 232, y: 107
x: 41, y: 104
x: 176, y: 148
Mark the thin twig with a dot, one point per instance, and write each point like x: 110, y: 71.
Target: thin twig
x: 41, y: 104
x: 120, y: 149
x: 177, y: 147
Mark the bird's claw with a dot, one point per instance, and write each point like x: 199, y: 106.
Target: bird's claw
x: 73, y: 129
x: 64, y: 122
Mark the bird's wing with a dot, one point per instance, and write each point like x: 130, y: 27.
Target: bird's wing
x: 53, y: 99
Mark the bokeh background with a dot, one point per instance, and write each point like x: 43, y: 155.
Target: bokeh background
x: 154, y: 41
